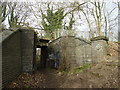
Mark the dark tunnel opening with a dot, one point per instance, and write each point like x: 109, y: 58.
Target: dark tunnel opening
x: 44, y: 56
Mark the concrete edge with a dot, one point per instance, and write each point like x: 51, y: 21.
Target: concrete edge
x: 0, y: 62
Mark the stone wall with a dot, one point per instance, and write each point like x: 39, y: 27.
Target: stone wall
x: 75, y: 52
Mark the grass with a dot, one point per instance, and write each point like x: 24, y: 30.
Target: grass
x: 77, y: 69
x: 80, y: 69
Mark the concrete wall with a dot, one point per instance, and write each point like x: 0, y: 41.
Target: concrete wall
x: 28, y: 50
x: 78, y: 51
x: 11, y: 57
x: 0, y: 61
x: 18, y: 54
x: 70, y: 51
x: 83, y: 52
x: 75, y: 52
x: 99, y: 50
x: 55, y: 48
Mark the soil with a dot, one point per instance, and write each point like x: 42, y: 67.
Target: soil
x: 101, y: 75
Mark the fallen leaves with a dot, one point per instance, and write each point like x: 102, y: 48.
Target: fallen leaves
x: 27, y: 80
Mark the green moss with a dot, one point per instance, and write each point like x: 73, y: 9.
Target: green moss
x: 99, y: 38
x: 77, y: 69
x: 80, y: 69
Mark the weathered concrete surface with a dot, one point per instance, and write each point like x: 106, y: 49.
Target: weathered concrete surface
x: 28, y: 51
x: 11, y: 57
x: 99, y: 50
x: 18, y: 54
x: 0, y: 60
x: 75, y: 52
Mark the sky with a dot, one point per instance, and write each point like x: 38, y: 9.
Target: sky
x: 79, y: 26
x: 58, y: 0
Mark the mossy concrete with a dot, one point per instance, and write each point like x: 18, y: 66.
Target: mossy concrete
x: 75, y: 52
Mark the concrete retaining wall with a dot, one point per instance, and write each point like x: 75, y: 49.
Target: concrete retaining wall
x: 99, y: 50
x: 18, y: 54
x: 28, y: 51
x: 11, y: 57
x: 0, y: 62
x: 75, y: 52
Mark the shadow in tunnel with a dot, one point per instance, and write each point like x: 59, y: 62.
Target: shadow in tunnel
x: 43, y: 58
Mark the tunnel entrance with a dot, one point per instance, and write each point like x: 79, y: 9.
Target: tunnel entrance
x: 43, y: 58
x: 42, y: 45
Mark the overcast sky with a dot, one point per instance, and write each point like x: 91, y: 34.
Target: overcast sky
x: 79, y: 25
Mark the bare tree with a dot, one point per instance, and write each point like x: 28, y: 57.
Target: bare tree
x: 97, y: 15
x: 18, y: 14
x: 3, y: 12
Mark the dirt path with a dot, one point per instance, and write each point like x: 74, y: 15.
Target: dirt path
x: 56, y: 79
x: 102, y: 75
x: 52, y: 79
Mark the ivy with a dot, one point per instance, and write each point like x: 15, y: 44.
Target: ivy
x: 53, y: 20
x: 71, y: 22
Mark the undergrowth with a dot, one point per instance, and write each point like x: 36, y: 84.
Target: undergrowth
x: 77, y: 69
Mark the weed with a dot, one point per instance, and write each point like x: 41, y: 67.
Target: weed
x: 80, y: 69
x: 77, y: 69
